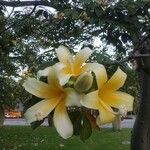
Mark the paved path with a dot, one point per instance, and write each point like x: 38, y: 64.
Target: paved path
x: 126, y: 123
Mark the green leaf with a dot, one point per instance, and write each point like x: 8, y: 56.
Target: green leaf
x: 99, y: 11
x: 85, y: 1
x: 81, y: 125
x: 67, y: 12
x: 76, y: 121
x: 74, y: 14
x: 86, y: 129
x: 36, y: 124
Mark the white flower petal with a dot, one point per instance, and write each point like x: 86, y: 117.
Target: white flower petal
x: 91, y: 100
x: 39, y: 88
x: 64, y: 78
x: 118, y: 98
x: 62, y: 121
x: 82, y: 56
x: 58, y: 67
x: 40, y: 110
x: 53, y: 80
x: 116, y: 81
x: 64, y: 54
x: 43, y: 72
x: 101, y: 75
x: 73, y: 98
x: 89, y: 67
x: 106, y: 114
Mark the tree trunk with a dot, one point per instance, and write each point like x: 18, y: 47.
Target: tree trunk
x: 141, y: 132
x: 2, y: 116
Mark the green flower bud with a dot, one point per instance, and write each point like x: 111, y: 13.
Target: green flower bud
x: 83, y: 82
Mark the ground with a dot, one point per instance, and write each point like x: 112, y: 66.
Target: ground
x: 46, y: 138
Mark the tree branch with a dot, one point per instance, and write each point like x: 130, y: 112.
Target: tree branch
x: 10, y: 14
x: 1, y: 32
x: 128, y: 58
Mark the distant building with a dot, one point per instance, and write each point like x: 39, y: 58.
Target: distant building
x: 11, y: 113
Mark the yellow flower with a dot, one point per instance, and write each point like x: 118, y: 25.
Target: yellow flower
x: 107, y: 95
x: 71, y: 65
x: 54, y: 97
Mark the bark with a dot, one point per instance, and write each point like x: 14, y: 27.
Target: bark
x: 140, y: 139
x: 2, y: 116
x: 141, y: 131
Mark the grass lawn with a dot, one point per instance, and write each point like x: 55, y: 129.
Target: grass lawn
x: 46, y: 138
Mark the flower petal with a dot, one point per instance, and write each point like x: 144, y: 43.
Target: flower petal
x: 91, y: 100
x: 64, y: 54
x: 62, y: 121
x: 40, y: 110
x: 89, y: 67
x: 53, y: 80
x: 64, y: 78
x: 81, y: 57
x: 43, y: 72
x: 72, y: 98
x: 117, y: 99
x: 116, y: 81
x: 58, y: 66
x: 39, y: 88
x: 106, y: 114
x: 101, y: 75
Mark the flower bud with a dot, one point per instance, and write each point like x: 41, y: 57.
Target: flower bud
x: 83, y: 82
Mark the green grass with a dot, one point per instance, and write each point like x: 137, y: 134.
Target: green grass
x: 46, y: 138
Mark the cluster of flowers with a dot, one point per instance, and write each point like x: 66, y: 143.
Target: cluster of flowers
x: 57, y: 94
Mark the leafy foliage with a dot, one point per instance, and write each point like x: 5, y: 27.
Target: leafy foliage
x: 74, y: 22
x: 81, y: 125
x: 11, y: 91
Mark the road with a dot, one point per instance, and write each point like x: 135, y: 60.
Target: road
x: 126, y: 123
